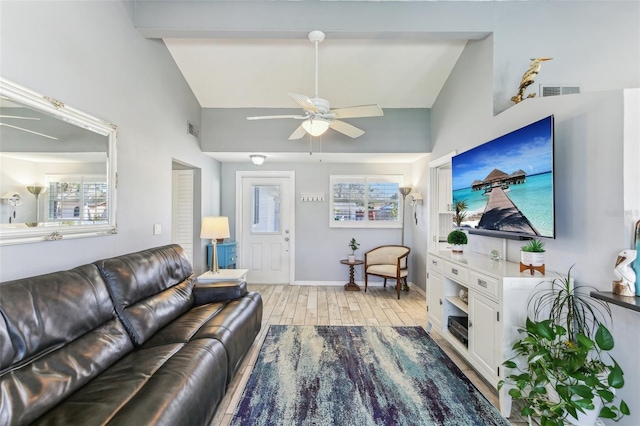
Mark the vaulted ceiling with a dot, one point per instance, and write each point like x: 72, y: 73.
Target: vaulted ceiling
x: 238, y: 73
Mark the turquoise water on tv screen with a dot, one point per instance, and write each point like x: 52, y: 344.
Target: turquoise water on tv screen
x: 534, y: 199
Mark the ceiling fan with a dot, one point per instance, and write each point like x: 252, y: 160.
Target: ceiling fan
x: 318, y: 115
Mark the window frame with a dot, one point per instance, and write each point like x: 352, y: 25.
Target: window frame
x: 367, y: 180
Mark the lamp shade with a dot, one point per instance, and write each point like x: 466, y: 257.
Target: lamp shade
x: 315, y: 126
x: 36, y: 189
x: 215, y: 227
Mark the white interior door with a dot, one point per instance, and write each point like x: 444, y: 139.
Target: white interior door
x: 266, y: 228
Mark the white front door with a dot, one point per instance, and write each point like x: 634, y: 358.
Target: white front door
x: 265, y: 226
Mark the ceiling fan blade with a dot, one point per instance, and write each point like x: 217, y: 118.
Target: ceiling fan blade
x: 269, y: 117
x: 19, y: 117
x: 29, y: 131
x: 358, y: 111
x: 346, y: 128
x: 298, y: 133
x: 304, y: 102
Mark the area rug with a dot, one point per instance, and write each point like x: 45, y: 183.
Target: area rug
x: 344, y: 375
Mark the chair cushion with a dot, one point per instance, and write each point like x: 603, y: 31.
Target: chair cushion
x: 386, y: 270
x: 149, y: 288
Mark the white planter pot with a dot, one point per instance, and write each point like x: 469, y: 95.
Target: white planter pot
x: 351, y: 258
x: 457, y: 248
x: 588, y: 418
x: 531, y: 258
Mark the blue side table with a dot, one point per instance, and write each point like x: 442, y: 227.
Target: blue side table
x: 227, y: 254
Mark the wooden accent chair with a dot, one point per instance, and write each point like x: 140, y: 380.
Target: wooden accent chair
x: 387, y: 262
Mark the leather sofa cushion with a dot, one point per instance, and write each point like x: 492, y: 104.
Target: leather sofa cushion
x: 236, y: 326
x: 175, y: 384
x: 219, y: 291
x: 149, y: 288
x: 57, y: 332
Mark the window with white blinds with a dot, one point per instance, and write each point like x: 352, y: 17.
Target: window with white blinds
x: 77, y: 198
x: 366, y: 201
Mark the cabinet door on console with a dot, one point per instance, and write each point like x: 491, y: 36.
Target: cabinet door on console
x: 484, y: 333
x: 434, y: 299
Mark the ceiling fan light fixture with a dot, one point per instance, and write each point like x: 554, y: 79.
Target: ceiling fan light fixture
x: 316, y: 126
x: 257, y: 159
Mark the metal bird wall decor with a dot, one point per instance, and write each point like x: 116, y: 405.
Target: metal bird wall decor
x: 528, y: 78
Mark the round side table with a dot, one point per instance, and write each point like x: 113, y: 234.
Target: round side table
x: 351, y: 285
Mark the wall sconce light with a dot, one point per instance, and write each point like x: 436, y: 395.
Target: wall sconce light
x: 416, y: 199
x: 216, y: 228
x: 13, y: 199
x: 257, y: 159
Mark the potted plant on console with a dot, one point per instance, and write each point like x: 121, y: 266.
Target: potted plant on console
x: 562, y: 371
x: 457, y: 239
x: 532, y: 256
x: 354, y: 245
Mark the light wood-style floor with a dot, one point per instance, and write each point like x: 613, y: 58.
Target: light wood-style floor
x: 323, y: 305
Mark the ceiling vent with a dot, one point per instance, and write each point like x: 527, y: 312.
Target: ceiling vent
x: 193, y: 130
x: 558, y: 90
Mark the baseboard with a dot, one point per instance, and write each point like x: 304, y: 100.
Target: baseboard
x: 360, y: 283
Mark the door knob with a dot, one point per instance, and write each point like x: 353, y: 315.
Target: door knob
x: 286, y: 239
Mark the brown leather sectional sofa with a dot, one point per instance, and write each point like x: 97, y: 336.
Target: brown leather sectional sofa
x: 121, y: 341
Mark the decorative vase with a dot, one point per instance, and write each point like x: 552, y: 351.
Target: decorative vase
x: 457, y: 248
x: 532, y: 258
x: 351, y: 258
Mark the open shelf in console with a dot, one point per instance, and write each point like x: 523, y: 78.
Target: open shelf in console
x: 458, y: 303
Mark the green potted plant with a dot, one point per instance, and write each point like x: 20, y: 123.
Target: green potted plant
x: 460, y: 212
x: 562, y: 371
x: 457, y: 239
x: 354, y: 245
x: 532, y: 253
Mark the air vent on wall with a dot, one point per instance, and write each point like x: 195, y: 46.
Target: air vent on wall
x: 558, y: 90
x: 193, y: 130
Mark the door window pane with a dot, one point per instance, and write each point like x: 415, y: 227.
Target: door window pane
x: 266, y: 209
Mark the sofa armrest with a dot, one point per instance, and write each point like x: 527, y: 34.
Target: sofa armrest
x: 219, y: 291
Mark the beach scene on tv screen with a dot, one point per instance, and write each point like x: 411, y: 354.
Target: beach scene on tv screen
x: 507, y: 184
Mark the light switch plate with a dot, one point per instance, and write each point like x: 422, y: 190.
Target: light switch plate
x: 157, y: 229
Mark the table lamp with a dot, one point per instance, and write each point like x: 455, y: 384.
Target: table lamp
x: 216, y: 228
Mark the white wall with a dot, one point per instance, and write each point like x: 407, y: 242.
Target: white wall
x: 589, y: 181
x: 90, y: 56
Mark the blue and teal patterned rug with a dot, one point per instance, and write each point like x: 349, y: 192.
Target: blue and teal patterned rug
x: 346, y: 375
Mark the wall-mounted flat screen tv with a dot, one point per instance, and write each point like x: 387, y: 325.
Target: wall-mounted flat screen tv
x: 507, y: 184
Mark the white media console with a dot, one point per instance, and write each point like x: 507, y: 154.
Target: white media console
x: 495, y: 308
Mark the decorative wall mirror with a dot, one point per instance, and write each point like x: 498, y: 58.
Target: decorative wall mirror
x: 57, y: 170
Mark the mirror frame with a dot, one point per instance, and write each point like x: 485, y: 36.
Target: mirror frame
x: 70, y: 115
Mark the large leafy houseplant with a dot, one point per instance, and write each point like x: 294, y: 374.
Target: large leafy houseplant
x: 562, y: 369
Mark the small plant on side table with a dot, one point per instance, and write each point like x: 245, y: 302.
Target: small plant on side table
x: 354, y: 245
